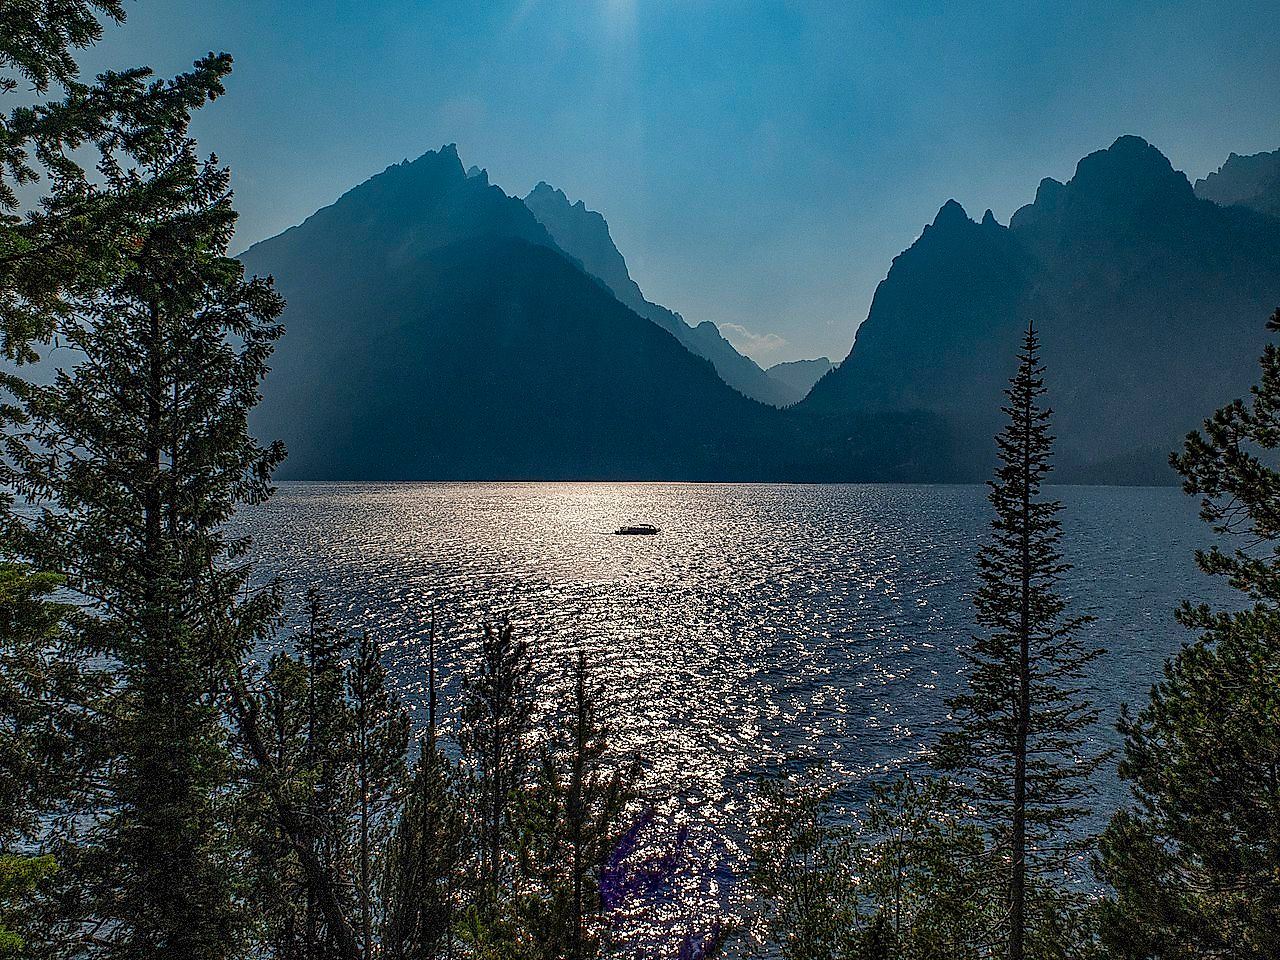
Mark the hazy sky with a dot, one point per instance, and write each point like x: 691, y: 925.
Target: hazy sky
x: 759, y: 163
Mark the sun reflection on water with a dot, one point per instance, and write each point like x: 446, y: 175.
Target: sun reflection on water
x: 765, y: 629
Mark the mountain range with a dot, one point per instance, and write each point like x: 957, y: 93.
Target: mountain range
x: 439, y: 328
x: 1150, y: 302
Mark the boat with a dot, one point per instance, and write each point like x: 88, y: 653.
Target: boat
x: 639, y: 530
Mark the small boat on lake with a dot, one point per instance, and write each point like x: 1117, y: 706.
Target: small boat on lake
x: 639, y: 530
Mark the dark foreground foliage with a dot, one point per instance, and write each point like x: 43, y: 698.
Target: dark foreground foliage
x: 163, y: 794
x: 1195, y: 864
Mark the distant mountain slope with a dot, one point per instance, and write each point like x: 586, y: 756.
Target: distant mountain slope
x: 435, y: 330
x: 584, y: 235
x: 1151, y: 304
x: 800, y: 375
x: 1252, y: 181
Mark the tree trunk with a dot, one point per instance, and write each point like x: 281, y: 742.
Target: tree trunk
x: 577, y: 811
x: 311, y: 931
x: 366, y: 906
x: 1018, y: 867
x: 495, y: 824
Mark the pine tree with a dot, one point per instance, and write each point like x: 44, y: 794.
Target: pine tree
x: 51, y: 742
x: 380, y: 740
x: 19, y: 875
x: 425, y: 854
x: 277, y: 886
x: 424, y: 860
x: 802, y: 874
x: 322, y: 762
x: 900, y: 882
x: 140, y: 453
x: 1019, y: 745
x: 305, y: 720
x: 1195, y: 863
x: 51, y: 694
x: 570, y: 821
x: 497, y: 718
x: 79, y: 238
x: 336, y: 739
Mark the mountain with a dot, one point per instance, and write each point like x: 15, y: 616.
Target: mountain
x: 800, y: 375
x: 1252, y: 181
x: 1150, y: 301
x: 438, y: 329
x: 584, y: 235
x: 435, y: 330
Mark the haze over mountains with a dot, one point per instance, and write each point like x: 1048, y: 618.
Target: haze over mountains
x: 1150, y: 302
x: 1252, y: 181
x: 584, y: 235
x: 438, y: 328
x: 800, y: 375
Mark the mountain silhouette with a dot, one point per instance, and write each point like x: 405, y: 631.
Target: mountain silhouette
x: 584, y: 235
x: 800, y: 375
x: 1150, y: 302
x: 436, y: 330
x: 1252, y: 181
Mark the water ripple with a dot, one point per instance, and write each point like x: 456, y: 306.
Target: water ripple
x: 766, y: 628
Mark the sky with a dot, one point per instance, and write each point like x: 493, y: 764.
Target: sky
x: 760, y: 163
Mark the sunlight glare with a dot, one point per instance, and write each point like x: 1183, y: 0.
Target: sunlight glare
x: 620, y: 19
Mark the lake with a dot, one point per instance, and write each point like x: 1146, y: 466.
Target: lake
x: 767, y: 627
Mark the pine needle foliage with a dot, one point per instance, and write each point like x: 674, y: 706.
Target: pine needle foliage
x: 570, y: 819
x: 903, y: 881
x: 1020, y: 746
x: 304, y: 719
x: 38, y: 40
x: 69, y: 219
x: 138, y: 454
x: 496, y: 748
x: 379, y: 744
x: 1193, y: 862
x: 424, y: 861
x: 52, y: 744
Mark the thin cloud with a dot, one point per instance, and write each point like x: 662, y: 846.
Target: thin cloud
x: 757, y: 346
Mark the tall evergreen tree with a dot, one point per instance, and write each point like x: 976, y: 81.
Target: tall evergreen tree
x: 425, y: 855
x: 306, y: 722
x: 322, y: 762
x: 336, y: 740
x: 1020, y: 745
x: 52, y: 696
x: 1195, y: 863
x: 424, y: 861
x: 497, y: 719
x: 570, y: 820
x: 276, y: 884
x: 140, y: 454
x: 380, y: 741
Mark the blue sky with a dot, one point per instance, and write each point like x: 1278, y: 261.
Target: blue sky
x: 759, y: 163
